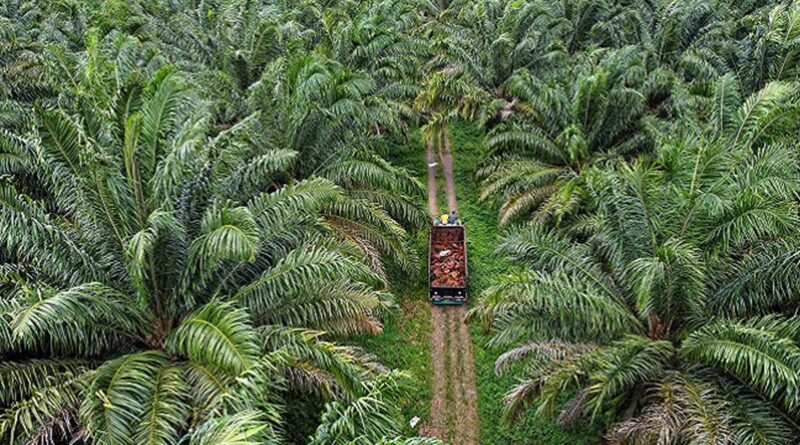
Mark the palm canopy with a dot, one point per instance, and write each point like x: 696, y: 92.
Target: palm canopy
x: 257, y: 62
x: 587, y: 117
x: 490, y: 40
x: 604, y: 83
x: 330, y: 108
x: 326, y: 113
x: 165, y: 285
x: 667, y: 310
x: 195, y: 201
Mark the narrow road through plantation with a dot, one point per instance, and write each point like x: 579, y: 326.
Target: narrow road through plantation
x: 454, y: 402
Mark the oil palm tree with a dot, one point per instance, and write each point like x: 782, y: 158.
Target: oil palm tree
x: 368, y: 420
x: 588, y: 117
x: 168, y: 286
x: 28, y: 28
x: 670, y: 314
x: 324, y: 111
x: 491, y: 40
x: 768, y: 52
x: 253, y: 58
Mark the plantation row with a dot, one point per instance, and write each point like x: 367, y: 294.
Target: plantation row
x: 200, y: 217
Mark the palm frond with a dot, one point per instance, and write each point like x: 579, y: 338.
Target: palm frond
x: 242, y: 428
x: 117, y: 398
x: 761, y: 353
x: 216, y: 335
x: 61, y: 320
x: 48, y: 415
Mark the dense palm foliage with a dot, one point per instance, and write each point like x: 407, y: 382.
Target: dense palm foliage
x: 657, y: 166
x: 610, y: 80
x: 591, y: 115
x: 196, y: 208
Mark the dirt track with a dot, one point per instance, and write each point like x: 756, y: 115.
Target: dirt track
x: 454, y: 402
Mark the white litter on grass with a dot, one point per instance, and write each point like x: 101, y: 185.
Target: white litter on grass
x: 414, y: 421
x: 433, y: 164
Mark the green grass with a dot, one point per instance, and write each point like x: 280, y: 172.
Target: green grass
x: 404, y: 345
x: 485, y: 266
x: 404, y: 342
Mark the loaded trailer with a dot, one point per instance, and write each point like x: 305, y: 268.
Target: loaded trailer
x: 447, y: 265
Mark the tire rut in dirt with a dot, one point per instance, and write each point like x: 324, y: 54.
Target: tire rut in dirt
x: 454, y: 415
x: 467, y: 423
x: 433, y: 200
x: 454, y: 385
x: 449, y: 182
x: 437, y: 423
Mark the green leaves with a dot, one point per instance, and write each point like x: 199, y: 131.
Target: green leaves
x: 257, y: 173
x: 167, y: 411
x: 584, y: 115
x: 33, y: 235
x: 142, y: 238
x: 163, y: 237
x: 540, y: 306
x: 368, y: 227
x: 243, y: 428
x: 764, y: 112
x: 682, y: 409
x: 669, y: 244
x: 369, y: 419
x: 200, y: 206
x: 727, y: 99
x: 752, y: 217
x: 316, y: 365
x: 216, y: 335
x: 294, y: 274
x: 765, y: 278
x: 547, y: 251
x: 49, y: 412
x: 629, y: 362
x: 227, y: 234
x: 158, y: 117
x: 290, y: 203
x: 65, y: 320
x: 121, y: 392
x: 61, y: 139
x: 20, y: 380
x: 763, y: 352
x: 678, y: 271
x: 521, y: 186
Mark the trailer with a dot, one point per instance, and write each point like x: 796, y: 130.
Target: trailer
x: 447, y: 265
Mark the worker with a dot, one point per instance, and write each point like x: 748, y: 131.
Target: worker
x: 443, y: 219
x: 453, y: 218
x: 437, y: 222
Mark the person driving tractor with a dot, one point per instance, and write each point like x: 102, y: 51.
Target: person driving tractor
x: 453, y: 218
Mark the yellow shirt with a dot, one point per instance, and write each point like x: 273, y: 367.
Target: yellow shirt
x: 444, y: 218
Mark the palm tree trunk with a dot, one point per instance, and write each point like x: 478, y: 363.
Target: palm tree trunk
x: 430, y: 158
x: 447, y: 168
